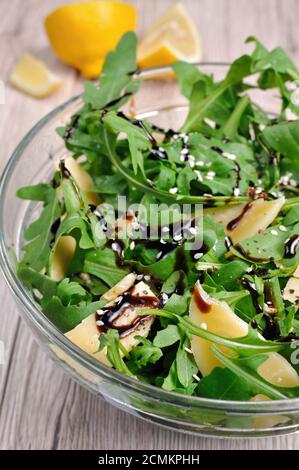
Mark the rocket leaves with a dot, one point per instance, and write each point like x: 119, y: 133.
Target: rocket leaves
x: 228, y: 152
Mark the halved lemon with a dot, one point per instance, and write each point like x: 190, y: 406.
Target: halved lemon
x: 173, y: 37
x: 33, y: 77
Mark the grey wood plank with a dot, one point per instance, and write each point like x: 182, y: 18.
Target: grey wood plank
x: 40, y: 407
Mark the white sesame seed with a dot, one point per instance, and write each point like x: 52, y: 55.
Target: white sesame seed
x: 209, y: 177
x: 230, y: 156
x: 184, y: 152
x: 282, y: 228
x: 293, y: 183
x: 118, y: 299
x: 132, y: 245
x: 164, y: 297
x: 204, y: 326
x: 159, y: 255
x: 274, y: 232
x: 99, y: 323
x: 165, y: 229
x: 211, y: 173
x: 198, y: 255
x: 173, y: 190
x: 147, y: 278
x: 163, y: 242
x: 193, y: 230
x: 236, y: 192
x: 195, y: 377
x: 188, y: 350
x: 135, y: 225
x: 191, y: 163
x: 139, y: 277
x: 185, y: 139
x: 182, y: 158
x: 198, y: 175
x: 100, y: 312
x: 200, y: 163
x: 177, y: 238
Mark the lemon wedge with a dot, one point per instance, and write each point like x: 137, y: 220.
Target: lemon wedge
x: 173, y: 37
x: 81, y: 34
x: 33, y: 77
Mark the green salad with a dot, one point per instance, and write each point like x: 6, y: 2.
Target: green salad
x: 172, y: 255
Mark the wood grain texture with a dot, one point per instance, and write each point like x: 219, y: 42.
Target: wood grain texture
x: 40, y: 407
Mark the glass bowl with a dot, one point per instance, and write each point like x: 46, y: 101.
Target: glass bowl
x: 32, y: 162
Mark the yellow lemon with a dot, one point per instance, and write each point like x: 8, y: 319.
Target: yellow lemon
x: 173, y: 37
x: 81, y: 34
x: 32, y: 77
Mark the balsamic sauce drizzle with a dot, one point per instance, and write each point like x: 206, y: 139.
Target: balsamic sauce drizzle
x: 108, y: 317
x: 290, y: 247
x: 235, y: 222
x: 201, y: 303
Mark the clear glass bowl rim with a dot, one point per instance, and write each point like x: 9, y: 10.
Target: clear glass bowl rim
x: 35, y: 315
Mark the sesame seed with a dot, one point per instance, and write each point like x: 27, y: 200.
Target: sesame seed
x: 198, y: 175
x: 211, y: 173
x: 165, y: 229
x: 282, y: 228
x: 236, y: 192
x: 177, y: 238
x: 188, y: 350
x: 191, y: 163
x: 100, y: 312
x: 200, y: 163
x: 147, y: 278
x: 100, y: 323
x: 198, y: 255
x: 193, y: 230
x: 132, y: 245
x: 159, y: 255
x: 274, y: 232
x: 195, y: 377
x: 182, y: 158
x: 230, y: 156
x: 139, y: 277
x: 204, y: 326
x: 209, y: 177
x: 163, y: 242
x: 184, y: 152
x: 173, y: 190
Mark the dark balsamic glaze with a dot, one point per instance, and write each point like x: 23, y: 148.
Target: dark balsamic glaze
x: 290, y: 247
x: 228, y: 242
x: 248, y: 256
x: 111, y: 314
x: 118, y: 100
x: 55, y: 226
x: 71, y: 129
x: 250, y: 287
x: 235, y: 222
x: 101, y: 218
x: 118, y: 247
x: 201, y: 303
x: 157, y: 153
x: 63, y: 169
x: 237, y: 169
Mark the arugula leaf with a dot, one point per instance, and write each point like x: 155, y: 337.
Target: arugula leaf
x: 223, y: 384
x: 145, y: 353
x: 116, y: 76
x: 167, y: 337
x: 284, y: 138
x: 115, y: 349
x: 39, y: 234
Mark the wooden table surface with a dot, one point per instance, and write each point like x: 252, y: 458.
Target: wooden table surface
x: 40, y: 407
